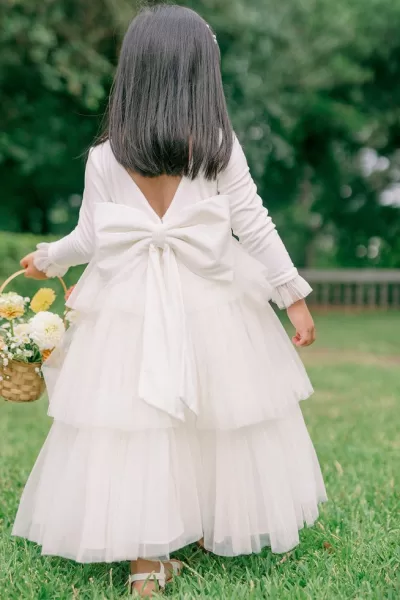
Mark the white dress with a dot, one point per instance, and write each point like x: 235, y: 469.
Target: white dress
x: 175, y: 395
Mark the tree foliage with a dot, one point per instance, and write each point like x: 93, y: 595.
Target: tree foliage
x: 313, y: 86
x: 313, y: 92
x: 55, y: 69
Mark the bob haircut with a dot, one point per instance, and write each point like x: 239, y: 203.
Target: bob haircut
x: 167, y: 111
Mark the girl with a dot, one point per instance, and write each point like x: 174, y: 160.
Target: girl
x: 175, y: 396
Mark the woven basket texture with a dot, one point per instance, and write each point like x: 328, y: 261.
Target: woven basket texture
x: 21, y: 383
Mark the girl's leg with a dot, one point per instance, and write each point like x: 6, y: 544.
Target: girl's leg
x: 146, y: 587
x: 200, y: 544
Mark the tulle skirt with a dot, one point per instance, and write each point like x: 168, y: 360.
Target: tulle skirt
x: 99, y: 495
x: 118, y: 479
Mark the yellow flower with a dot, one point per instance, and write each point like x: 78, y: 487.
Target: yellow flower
x: 12, y: 306
x: 46, y: 354
x: 42, y: 300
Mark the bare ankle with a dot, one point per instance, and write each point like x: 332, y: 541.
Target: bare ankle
x: 143, y: 565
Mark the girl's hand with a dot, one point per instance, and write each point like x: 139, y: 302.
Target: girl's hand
x: 302, y: 320
x: 30, y: 270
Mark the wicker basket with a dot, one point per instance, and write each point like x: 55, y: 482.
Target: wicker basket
x: 21, y: 382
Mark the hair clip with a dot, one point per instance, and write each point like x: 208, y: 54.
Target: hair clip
x: 213, y: 34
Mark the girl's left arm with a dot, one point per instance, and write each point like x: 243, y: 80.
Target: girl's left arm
x: 77, y: 248
x: 256, y: 231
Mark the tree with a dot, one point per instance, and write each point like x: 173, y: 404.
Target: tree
x: 311, y: 84
x: 312, y: 88
x: 57, y: 62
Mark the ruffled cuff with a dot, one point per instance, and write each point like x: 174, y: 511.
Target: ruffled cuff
x: 43, y: 262
x: 288, y: 293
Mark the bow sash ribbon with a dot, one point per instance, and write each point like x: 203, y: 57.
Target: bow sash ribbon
x: 200, y: 237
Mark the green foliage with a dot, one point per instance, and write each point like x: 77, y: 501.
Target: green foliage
x: 57, y: 61
x: 13, y: 247
x: 312, y: 86
x: 353, y: 551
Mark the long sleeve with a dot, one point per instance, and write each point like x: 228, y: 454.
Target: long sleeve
x: 256, y: 231
x: 77, y: 248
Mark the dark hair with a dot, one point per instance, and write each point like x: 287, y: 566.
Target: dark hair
x: 167, y: 112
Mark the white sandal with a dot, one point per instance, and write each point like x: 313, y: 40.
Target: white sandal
x: 159, y: 577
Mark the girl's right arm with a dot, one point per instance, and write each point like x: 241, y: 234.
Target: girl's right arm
x: 54, y: 259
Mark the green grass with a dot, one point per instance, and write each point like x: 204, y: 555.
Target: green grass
x: 354, y: 550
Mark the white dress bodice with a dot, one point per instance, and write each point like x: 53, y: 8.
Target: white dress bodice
x: 106, y: 181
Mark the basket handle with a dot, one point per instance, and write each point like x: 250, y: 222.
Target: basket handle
x: 18, y: 273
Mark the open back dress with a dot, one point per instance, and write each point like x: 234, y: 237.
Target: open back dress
x: 175, y: 393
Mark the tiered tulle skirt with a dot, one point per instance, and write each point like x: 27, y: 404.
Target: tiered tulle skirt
x: 117, y: 479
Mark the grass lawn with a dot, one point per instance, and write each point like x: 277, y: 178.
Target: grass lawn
x: 353, y: 552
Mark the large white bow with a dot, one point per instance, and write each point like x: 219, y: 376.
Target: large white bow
x: 200, y: 237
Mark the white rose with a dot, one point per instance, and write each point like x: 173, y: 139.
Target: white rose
x: 46, y: 330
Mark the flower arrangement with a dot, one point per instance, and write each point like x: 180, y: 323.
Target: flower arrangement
x: 28, y: 331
